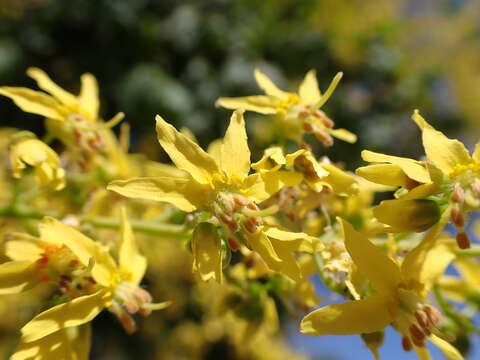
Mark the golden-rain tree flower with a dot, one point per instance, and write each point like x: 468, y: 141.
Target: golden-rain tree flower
x: 29, y: 151
x: 299, y: 112
x: 218, y: 183
x: 73, y: 119
x: 399, y: 297
x: 110, y: 285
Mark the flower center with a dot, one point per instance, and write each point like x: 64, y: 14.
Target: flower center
x: 237, y: 213
x: 129, y: 299
x: 415, y: 319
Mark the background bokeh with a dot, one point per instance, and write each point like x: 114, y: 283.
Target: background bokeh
x: 175, y: 58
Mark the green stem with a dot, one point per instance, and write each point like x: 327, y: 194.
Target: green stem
x: 143, y: 226
x: 473, y: 251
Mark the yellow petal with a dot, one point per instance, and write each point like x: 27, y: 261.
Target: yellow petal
x: 344, y: 135
x: 340, y: 181
x: 45, y: 83
x: 469, y: 270
x: 71, y: 343
x: 185, y: 153
x: 215, y: 150
x: 350, y: 317
x: 104, y: 269
x: 277, y: 180
x: 272, y: 160
x: 476, y: 152
x: 330, y: 90
x: 407, y: 215
x: 34, y: 102
x: 260, y: 243
x: 426, y: 262
x: 255, y: 189
x: 422, y: 352
x: 372, y: 262
x: 413, y: 169
x: 185, y: 194
x: 207, y: 252
x: 308, y: 89
x: 23, y: 250
x: 385, y: 174
x: 445, y: 153
x: 16, y: 276
x: 235, y: 154
x: 454, y: 287
x: 73, y: 313
x: 88, y: 98
x: 130, y: 259
x: 258, y: 103
x: 448, y: 350
x: 268, y: 86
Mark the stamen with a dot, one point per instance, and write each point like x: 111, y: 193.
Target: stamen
x: 463, y: 241
x: 406, y: 344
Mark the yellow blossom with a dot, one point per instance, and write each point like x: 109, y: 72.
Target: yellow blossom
x: 399, y: 299
x: 29, y: 151
x: 113, y: 286
x: 300, y: 112
x: 219, y: 183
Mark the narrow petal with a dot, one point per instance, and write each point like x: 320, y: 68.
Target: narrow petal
x: 351, y: 317
x: 331, y: 88
x: 476, y: 153
x: 34, y: 102
x: 446, y: 154
x: 372, y: 262
x: 340, y: 181
x: 454, y: 287
x: 104, y: 268
x: 268, y: 86
x: 448, y: 350
x: 186, y: 194
x: 385, y: 174
x: 215, y: 150
x: 88, y: 98
x: 45, y: 83
x: 412, y: 168
x: 207, y: 252
x: 258, y: 103
x: 308, y: 89
x: 16, y: 276
x: 73, y: 313
x: 130, y: 259
x: 260, y: 243
x: 425, y: 263
x: 235, y: 154
x: 344, y: 135
x: 185, y: 153
x: 469, y: 269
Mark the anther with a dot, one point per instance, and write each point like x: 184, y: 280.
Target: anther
x: 458, y: 194
x: 422, y: 319
x: 250, y: 226
x: 324, y: 138
x: 433, y: 315
x: 127, y: 322
x: 241, y: 200
x: 417, y: 333
x: 406, y: 344
x: 233, y: 243
x: 457, y: 216
x: 463, y: 241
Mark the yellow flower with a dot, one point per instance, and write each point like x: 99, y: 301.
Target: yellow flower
x: 70, y: 118
x: 217, y: 183
x: 399, y: 299
x: 30, y: 151
x: 106, y: 285
x: 316, y: 175
x: 461, y: 173
x: 300, y: 111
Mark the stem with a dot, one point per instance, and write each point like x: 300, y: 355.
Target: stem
x: 143, y: 226
x: 473, y: 251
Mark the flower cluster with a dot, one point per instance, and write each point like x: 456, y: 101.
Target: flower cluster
x: 74, y: 222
